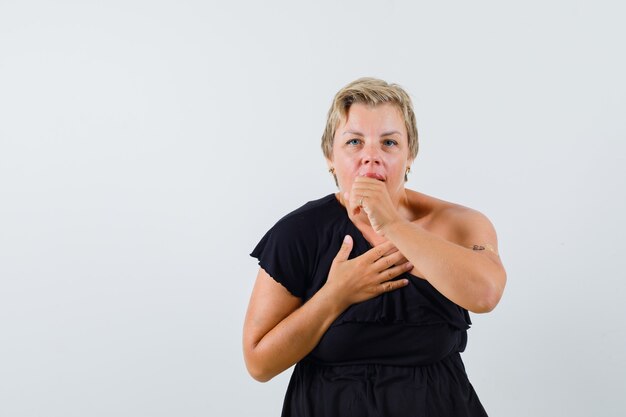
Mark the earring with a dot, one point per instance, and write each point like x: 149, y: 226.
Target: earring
x: 331, y: 170
x: 406, y: 174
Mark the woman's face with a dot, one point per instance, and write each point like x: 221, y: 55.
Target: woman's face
x: 371, y: 142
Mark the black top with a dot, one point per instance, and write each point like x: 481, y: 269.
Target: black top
x: 413, y: 326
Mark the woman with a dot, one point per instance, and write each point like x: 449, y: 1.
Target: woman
x: 367, y: 290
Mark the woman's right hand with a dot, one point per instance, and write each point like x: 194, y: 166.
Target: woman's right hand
x: 366, y: 276
x: 280, y: 329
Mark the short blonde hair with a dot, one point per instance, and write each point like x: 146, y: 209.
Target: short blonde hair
x: 371, y: 91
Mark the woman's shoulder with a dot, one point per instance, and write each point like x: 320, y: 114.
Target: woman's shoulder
x: 444, y: 217
x: 299, y: 227
x: 312, y: 213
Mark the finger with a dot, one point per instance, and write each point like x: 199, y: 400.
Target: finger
x: 393, y: 285
x: 371, y: 188
x: 353, y: 197
x: 394, y: 271
x: 364, y: 181
x: 365, y: 187
x: 378, y: 252
x: 387, y: 261
x: 358, y: 190
x: 356, y: 199
x: 344, y: 250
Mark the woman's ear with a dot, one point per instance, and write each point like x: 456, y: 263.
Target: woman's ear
x: 329, y: 163
x: 409, y: 162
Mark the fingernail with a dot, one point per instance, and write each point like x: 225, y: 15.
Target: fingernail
x: 409, y: 265
x: 346, y: 239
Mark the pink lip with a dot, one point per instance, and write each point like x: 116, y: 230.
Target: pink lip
x: 374, y: 175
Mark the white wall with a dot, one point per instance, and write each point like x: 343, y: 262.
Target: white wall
x: 145, y: 147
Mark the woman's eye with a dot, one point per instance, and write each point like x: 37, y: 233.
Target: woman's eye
x: 353, y: 142
x: 390, y: 142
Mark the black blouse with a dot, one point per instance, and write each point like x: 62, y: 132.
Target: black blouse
x: 395, y: 355
x: 415, y: 325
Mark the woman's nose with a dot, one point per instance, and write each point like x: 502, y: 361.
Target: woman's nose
x: 371, y: 156
x: 371, y: 161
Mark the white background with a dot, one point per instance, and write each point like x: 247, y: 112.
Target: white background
x: 146, y: 146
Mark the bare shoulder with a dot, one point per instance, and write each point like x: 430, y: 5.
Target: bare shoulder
x: 454, y: 222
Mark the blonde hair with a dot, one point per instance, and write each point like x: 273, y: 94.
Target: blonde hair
x: 371, y: 91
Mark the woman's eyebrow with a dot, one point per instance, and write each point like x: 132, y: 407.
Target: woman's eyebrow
x: 392, y: 132
x: 352, y: 132
x: 357, y: 133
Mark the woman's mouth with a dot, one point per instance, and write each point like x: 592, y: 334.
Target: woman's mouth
x: 374, y: 175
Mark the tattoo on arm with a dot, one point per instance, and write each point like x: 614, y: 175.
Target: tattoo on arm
x: 483, y: 247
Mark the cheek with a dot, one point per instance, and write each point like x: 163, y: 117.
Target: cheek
x: 345, y: 181
x: 347, y: 166
x: 346, y: 178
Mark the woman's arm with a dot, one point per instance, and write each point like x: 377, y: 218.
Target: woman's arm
x: 472, y: 279
x: 279, y: 330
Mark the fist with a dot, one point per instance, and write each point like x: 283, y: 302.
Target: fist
x: 371, y: 196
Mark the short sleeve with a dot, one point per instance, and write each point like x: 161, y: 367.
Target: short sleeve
x: 283, y: 254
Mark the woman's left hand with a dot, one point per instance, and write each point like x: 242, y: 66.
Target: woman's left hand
x: 371, y: 196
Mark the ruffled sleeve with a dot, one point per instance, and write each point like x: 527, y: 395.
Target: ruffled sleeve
x: 284, y: 255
